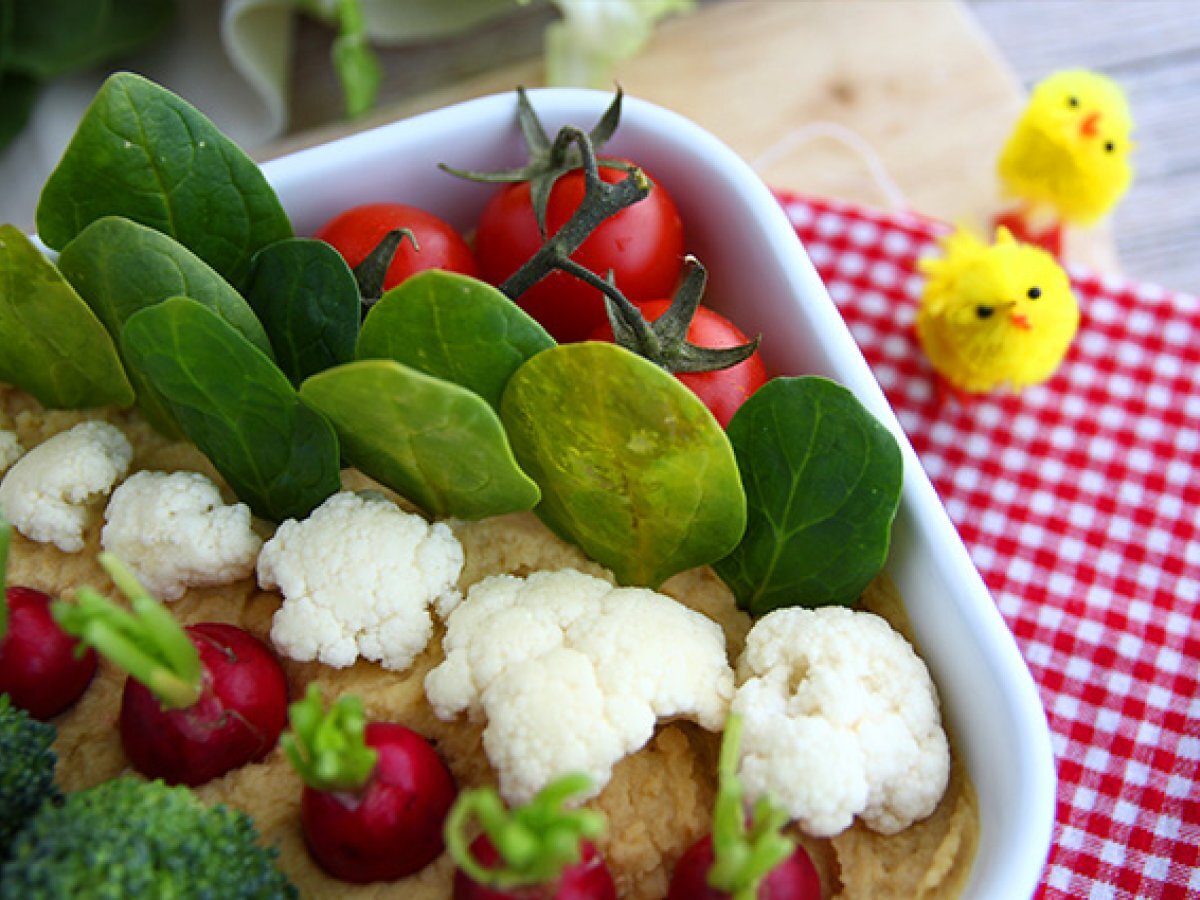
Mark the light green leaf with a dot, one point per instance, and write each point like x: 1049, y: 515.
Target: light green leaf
x: 357, y: 68
x: 583, y: 47
x: 454, y: 327
x: 823, y: 480
x: 143, y: 153
x: 277, y: 454
x: 435, y: 443
x: 633, y: 468
x: 53, y: 346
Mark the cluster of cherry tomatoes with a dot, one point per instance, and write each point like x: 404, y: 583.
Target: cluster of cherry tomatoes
x: 642, y: 246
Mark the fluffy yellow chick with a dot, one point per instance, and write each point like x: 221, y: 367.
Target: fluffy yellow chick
x: 995, y: 315
x: 1069, y: 151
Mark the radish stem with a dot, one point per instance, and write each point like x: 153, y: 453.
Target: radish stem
x: 329, y: 749
x: 145, y: 640
x: 743, y: 857
x: 535, y: 842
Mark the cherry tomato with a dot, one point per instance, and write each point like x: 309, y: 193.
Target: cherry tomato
x: 722, y: 390
x: 642, y: 245
x: 357, y: 231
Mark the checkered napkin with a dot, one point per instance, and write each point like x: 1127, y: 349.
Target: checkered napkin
x: 1079, y: 500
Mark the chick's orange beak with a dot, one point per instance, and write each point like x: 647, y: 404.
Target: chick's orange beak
x: 1021, y: 321
x: 1090, y: 125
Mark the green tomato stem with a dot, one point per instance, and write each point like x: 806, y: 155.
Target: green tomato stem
x: 145, y: 641
x: 328, y: 748
x: 664, y: 342
x: 535, y: 842
x: 743, y: 857
x: 601, y: 201
x: 371, y: 273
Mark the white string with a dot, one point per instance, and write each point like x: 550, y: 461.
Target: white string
x: 848, y: 138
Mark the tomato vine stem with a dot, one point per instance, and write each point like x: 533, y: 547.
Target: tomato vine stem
x: 601, y: 200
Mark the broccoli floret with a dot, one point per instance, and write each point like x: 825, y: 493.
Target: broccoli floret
x: 26, y: 769
x: 132, y: 838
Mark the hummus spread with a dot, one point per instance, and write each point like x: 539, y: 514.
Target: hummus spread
x: 658, y: 802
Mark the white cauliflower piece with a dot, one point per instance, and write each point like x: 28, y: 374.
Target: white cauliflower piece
x: 175, y: 532
x: 572, y: 673
x: 47, y: 494
x: 358, y: 577
x: 840, y: 720
x: 10, y: 450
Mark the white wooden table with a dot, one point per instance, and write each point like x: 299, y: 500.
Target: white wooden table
x: 931, y: 84
x: 1152, y: 47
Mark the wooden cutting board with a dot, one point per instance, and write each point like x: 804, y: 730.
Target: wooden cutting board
x: 876, y: 102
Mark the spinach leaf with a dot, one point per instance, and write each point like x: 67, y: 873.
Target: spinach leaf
x: 632, y: 466
x: 53, y: 346
x: 17, y: 96
x: 823, y: 479
x: 17, y: 91
x: 307, y: 299
x: 278, y: 455
x: 54, y: 37
x: 454, y: 327
x: 120, y: 267
x: 435, y: 443
x: 143, y: 153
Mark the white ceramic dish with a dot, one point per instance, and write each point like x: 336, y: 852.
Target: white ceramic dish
x: 758, y: 267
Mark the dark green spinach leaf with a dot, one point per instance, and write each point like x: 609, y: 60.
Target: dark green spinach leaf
x: 307, y: 299
x: 823, y: 479
x: 17, y: 96
x: 633, y: 468
x: 454, y: 327
x: 53, y: 346
x: 278, y: 455
x: 435, y: 443
x: 120, y: 267
x: 143, y: 153
x: 54, y: 37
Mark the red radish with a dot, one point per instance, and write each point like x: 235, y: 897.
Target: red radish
x: 200, y: 701
x: 375, y: 796
x: 237, y: 718
x: 40, y: 666
x: 740, y: 861
x: 535, y: 852
x: 588, y: 879
x: 795, y: 878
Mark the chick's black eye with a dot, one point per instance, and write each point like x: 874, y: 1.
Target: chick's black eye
x: 1033, y: 293
x: 1109, y: 147
x: 984, y: 312
x: 1072, y: 102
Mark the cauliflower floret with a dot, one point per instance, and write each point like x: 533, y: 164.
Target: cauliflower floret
x: 175, y: 532
x: 10, y: 450
x: 358, y: 577
x: 572, y: 674
x: 841, y: 719
x: 48, y: 491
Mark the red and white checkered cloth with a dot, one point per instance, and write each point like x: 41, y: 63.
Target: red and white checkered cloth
x: 1079, y: 500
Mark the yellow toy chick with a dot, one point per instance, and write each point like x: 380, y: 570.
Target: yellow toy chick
x: 1067, y: 159
x: 994, y: 315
